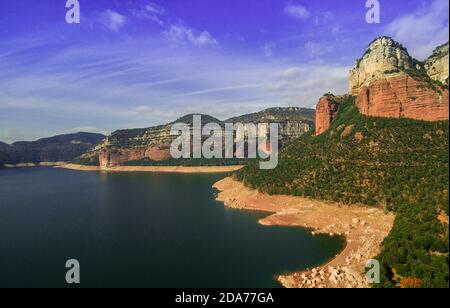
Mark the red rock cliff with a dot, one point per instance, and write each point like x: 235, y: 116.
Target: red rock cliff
x: 112, y: 157
x: 403, y: 97
x: 326, y: 111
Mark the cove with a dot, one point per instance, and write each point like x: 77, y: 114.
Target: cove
x: 141, y: 230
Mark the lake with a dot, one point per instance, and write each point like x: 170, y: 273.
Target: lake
x: 141, y: 230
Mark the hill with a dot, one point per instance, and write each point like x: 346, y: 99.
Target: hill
x: 397, y: 164
x: 53, y: 149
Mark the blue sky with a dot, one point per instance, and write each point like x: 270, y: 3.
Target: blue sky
x: 138, y: 63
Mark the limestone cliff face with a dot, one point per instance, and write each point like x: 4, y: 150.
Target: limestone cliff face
x: 403, y: 97
x: 437, y: 65
x: 383, y: 58
x: 293, y: 121
x: 389, y: 83
x: 326, y: 111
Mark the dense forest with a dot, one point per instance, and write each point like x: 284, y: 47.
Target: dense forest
x: 400, y: 165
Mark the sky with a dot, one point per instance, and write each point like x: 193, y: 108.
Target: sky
x: 139, y: 63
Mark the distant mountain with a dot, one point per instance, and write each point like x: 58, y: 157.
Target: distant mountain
x: 54, y: 149
x: 153, y: 143
x: 187, y: 119
x: 278, y: 114
x: 294, y: 121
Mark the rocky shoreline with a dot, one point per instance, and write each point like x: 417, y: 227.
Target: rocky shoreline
x: 162, y: 169
x: 364, y: 229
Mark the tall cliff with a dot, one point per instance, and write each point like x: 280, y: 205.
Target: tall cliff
x: 388, y: 82
x: 403, y: 97
x: 400, y: 87
x: 326, y: 111
x: 383, y: 58
x: 437, y: 64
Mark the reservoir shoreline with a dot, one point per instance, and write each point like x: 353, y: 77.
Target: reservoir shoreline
x: 162, y: 169
x: 363, y: 228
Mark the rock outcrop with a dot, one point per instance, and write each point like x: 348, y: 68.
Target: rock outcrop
x: 293, y: 121
x: 403, y: 97
x: 383, y: 58
x: 437, y: 65
x: 112, y: 157
x: 388, y: 82
x: 326, y: 111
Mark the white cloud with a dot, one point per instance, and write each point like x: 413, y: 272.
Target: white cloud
x: 112, y: 20
x: 150, y: 11
x: 336, y: 29
x: 297, y: 11
x: 315, y: 50
x: 182, y: 35
x: 144, y: 83
x: 303, y: 86
x: 267, y: 48
x: 423, y: 30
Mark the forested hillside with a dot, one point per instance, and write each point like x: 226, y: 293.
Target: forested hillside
x: 401, y: 165
x: 53, y: 149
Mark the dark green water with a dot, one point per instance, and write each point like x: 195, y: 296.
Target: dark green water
x: 140, y: 230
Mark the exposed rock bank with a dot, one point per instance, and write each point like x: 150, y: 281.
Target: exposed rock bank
x: 364, y: 229
x: 156, y: 169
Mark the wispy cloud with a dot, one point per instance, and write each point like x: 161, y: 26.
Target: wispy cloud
x: 302, y: 86
x: 315, y: 49
x: 267, y: 48
x: 219, y: 89
x: 423, y: 30
x: 112, y: 20
x: 150, y: 11
x: 181, y: 35
x: 140, y: 85
x: 297, y: 11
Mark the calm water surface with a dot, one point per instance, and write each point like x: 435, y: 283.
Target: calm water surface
x: 140, y: 230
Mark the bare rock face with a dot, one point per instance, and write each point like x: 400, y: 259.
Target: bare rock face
x: 389, y: 83
x: 112, y: 157
x: 403, y: 97
x: 383, y: 58
x: 326, y: 112
x: 437, y: 64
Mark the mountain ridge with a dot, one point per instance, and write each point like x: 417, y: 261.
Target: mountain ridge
x: 59, y: 148
x: 153, y: 143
